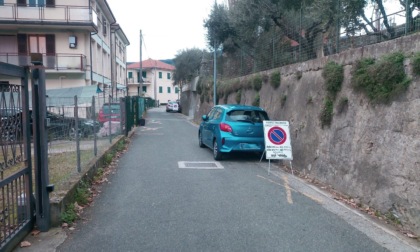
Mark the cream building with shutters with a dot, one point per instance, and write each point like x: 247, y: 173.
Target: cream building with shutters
x: 157, y: 81
x: 81, y: 43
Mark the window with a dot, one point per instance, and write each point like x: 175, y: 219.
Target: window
x: 1, y: 2
x: 130, y: 75
x: 168, y: 76
x: 176, y: 90
x: 169, y: 90
x: 31, y: 3
x: 160, y: 90
x: 145, y: 89
x: 104, y: 28
x: 144, y: 74
x: 160, y: 75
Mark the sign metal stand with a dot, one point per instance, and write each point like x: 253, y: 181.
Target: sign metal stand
x: 277, y: 142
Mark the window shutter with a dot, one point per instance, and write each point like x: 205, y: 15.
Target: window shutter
x: 22, y: 44
x: 50, y: 43
x: 50, y: 3
x: 105, y: 26
x: 21, y: 2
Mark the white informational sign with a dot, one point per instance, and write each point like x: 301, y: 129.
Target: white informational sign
x: 277, y: 140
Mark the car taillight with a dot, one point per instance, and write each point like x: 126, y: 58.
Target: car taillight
x: 225, y: 127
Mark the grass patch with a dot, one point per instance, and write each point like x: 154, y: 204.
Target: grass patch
x: 333, y: 74
x: 275, y: 80
x: 327, y: 113
x: 70, y: 214
x: 82, y: 193
x: 382, y: 80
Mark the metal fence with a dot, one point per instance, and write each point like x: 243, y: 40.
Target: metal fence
x: 301, y: 38
x: 79, y: 129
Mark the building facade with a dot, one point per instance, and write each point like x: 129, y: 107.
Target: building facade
x: 80, y: 42
x: 157, y: 81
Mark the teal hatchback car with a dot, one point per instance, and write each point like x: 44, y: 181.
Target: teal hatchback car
x: 230, y: 127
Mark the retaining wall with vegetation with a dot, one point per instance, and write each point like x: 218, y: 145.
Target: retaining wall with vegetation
x: 368, y: 150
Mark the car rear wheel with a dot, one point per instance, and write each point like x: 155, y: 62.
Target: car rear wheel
x: 200, y: 140
x: 216, y: 153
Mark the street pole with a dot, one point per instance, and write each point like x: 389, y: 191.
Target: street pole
x: 214, y: 76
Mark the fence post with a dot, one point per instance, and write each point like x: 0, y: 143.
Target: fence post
x: 95, y: 146
x: 76, y: 133
x: 109, y: 120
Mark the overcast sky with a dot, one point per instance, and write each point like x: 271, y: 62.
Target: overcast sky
x: 168, y: 26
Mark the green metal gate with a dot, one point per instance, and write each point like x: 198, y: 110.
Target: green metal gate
x: 16, y: 200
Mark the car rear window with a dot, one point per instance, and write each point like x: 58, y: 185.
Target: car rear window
x: 113, y: 109
x: 247, y: 115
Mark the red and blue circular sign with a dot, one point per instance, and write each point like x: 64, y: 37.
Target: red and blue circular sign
x: 277, y: 135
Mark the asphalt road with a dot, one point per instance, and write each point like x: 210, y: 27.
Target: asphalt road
x: 151, y: 204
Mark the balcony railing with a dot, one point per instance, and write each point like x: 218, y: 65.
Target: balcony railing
x: 59, y: 61
x: 57, y: 13
x: 146, y: 81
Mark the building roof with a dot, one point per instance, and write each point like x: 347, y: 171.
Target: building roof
x: 150, y: 63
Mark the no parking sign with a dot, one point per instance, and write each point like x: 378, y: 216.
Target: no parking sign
x: 277, y: 140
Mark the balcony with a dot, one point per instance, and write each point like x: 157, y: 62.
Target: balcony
x: 146, y: 81
x: 58, y: 62
x: 53, y: 15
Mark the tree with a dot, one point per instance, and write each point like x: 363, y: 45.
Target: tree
x: 218, y: 26
x: 187, y: 65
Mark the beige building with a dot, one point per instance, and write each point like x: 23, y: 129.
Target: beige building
x: 80, y: 41
x: 157, y: 80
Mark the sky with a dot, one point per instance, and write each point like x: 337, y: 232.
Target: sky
x: 168, y: 26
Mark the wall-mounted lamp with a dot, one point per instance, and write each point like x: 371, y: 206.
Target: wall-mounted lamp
x: 72, y: 41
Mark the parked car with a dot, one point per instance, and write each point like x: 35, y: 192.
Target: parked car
x: 172, y: 106
x: 58, y: 126
x: 110, y: 112
x: 231, y: 127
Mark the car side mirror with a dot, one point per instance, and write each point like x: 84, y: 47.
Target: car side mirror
x: 205, y: 117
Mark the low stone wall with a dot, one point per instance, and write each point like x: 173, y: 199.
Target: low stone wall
x: 370, y: 152
x: 59, y: 200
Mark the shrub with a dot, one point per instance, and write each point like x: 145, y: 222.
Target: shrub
x: 333, y: 74
x: 327, y: 113
x: 416, y: 64
x: 247, y: 84
x: 309, y: 100
x: 342, y: 104
x: 283, y: 100
x: 298, y: 75
x: 257, y: 82
x: 199, y: 86
x: 265, y: 78
x: 238, y: 96
x: 383, y: 80
x: 275, y: 80
x: 256, y: 101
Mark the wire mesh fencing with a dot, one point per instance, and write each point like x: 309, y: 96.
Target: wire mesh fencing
x: 300, y: 37
x: 79, y: 129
